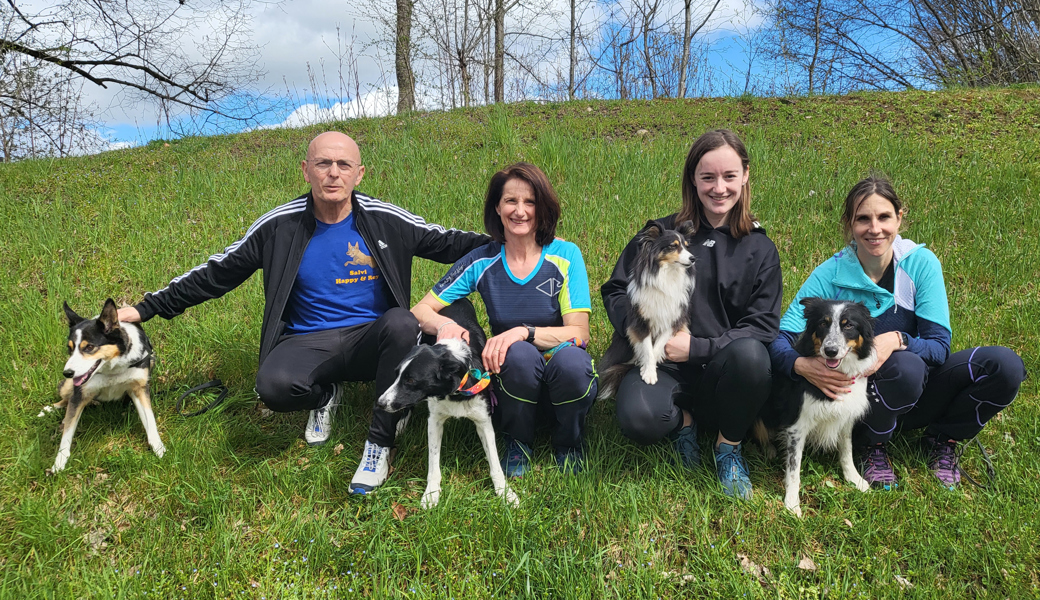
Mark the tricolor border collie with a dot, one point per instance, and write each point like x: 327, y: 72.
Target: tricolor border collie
x: 659, y: 290
x: 448, y: 376
x: 841, y: 333
x: 107, y: 361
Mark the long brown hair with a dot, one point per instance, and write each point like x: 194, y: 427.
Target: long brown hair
x: 739, y: 219
x: 546, y: 205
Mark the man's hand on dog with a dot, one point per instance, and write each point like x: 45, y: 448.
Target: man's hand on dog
x: 128, y: 314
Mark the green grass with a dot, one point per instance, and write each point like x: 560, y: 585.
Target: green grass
x: 240, y: 508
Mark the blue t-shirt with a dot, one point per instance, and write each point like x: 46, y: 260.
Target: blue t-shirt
x: 338, y: 284
x: 558, y: 285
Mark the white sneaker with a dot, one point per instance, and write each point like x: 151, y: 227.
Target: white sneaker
x: 373, y: 470
x: 319, y: 423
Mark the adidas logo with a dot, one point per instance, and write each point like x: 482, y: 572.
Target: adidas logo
x: 382, y: 245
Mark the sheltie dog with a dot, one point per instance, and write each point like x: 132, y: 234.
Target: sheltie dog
x: 446, y: 375
x: 659, y: 290
x: 107, y: 361
x: 842, y: 334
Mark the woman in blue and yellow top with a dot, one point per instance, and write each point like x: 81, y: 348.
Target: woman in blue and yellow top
x: 536, y: 292
x: 916, y: 382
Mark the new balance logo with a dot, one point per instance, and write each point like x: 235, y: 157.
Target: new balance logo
x: 382, y: 245
x: 708, y: 243
x: 550, y: 287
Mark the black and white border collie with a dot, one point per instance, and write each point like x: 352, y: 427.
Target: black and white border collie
x: 659, y: 290
x: 435, y: 373
x: 842, y: 334
x: 107, y: 361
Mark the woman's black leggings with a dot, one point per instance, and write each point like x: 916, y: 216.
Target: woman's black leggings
x: 953, y: 400
x: 725, y: 394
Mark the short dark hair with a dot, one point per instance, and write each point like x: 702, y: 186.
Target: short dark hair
x: 546, y: 205
x: 740, y: 219
x: 864, y: 188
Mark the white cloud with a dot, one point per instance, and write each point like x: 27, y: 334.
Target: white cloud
x: 377, y: 103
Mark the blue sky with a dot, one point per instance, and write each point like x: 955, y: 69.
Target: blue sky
x: 297, y: 34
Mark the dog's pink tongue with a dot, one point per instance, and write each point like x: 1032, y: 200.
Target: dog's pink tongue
x: 78, y: 381
x: 833, y: 363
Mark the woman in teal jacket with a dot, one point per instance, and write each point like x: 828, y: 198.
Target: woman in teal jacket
x: 916, y: 382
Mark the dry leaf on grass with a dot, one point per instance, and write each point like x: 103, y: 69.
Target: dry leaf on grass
x: 751, y: 567
x: 904, y: 582
x: 339, y: 448
x: 400, y: 512
x: 849, y: 523
x: 806, y: 564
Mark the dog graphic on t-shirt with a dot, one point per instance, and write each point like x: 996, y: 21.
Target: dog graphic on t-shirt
x: 357, y: 257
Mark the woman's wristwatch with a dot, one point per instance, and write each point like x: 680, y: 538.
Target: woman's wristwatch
x: 530, y: 333
x: 904, y: 340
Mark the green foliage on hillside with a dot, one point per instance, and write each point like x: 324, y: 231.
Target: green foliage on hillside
x: 240, y: 507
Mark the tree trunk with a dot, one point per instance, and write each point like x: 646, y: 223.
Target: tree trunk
x: 687, y: 39
x: 403, y: 57
x: 500, y: 50
x: 574, y: 55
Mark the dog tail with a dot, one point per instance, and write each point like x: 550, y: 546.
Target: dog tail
x: 613, y: 366
x: 764, y: 436
x: 610, y: 379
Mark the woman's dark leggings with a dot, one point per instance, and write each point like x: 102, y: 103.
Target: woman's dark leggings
x: 954, y: 400
x: 726, y: 394
x: 567, y: 381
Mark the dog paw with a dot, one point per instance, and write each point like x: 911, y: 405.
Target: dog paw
x: 511, y: 498
x: 793, y: 505
x: 862, y: 485
x: 159, y: 450
x: 649, y: 375
x: 430, y: 498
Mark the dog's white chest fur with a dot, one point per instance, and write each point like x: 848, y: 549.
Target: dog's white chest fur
x: 663, y: 299
x: 824, y: 421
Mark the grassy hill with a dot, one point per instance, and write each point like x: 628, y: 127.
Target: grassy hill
x: 240, y: 508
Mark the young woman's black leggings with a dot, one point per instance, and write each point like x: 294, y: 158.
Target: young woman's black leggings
x: 726, y: 394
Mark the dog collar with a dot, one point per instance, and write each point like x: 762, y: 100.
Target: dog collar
x: 481, y: 380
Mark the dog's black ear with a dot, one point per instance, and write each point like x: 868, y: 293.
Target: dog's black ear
x: 71, y: 315
x: 649, y: 233
x: 686, y: 229
x: 811, y: 306
x: 109, y: 318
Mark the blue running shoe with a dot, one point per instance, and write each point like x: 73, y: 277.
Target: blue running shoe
x: 733, y: 471
x: 685, y: 444
x: 571, y: 461
x: 517, y: 460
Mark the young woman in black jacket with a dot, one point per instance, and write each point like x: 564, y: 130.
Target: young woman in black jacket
x: 719, y: 373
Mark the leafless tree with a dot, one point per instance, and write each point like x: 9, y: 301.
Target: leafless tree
x: 192, y: 57
x: 689, y: 33
x: 844, y: 44
x: 41, y: 113
x: 403, y: 55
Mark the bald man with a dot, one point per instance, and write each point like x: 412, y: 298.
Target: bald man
x: 337, y: 286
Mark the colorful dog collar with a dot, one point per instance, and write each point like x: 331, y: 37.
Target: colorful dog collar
x: 481, y: 380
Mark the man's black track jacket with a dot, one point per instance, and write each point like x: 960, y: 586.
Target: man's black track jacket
x: 276, y: 241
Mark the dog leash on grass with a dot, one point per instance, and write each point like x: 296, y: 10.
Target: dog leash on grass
x: 215, y: 384
x: 991, y: 472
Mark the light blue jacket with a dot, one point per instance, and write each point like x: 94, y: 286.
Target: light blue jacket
x: 917, y: 305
